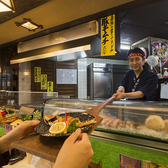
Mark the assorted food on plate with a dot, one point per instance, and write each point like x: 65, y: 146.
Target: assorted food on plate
x: 65, y: 124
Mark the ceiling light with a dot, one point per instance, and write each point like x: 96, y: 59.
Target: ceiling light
x: 28, y: 24
x: 7, y: 5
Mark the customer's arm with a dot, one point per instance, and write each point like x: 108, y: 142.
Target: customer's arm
x: 22, y: 130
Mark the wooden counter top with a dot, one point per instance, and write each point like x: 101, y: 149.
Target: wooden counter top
x: 44, y: 147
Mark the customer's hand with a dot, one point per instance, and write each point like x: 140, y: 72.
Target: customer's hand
x: 76, y: 152
x: 25, y: 128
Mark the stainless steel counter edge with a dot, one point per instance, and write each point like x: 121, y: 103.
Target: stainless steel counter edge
x: 136, y: 141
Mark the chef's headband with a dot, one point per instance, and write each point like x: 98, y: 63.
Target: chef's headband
x: 135, y: 54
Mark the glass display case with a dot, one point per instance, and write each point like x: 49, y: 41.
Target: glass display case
x: 24, y: 97
x: 129, y: 119
x: 144, y: 123
x: 16, y: 104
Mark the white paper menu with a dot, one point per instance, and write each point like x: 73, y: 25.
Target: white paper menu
x: 164, y: 91
x: 66, y: 76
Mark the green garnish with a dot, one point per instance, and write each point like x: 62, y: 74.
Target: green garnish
x: 25, y: 117
x: 72, y: 126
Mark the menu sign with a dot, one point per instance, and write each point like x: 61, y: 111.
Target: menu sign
x: 50, y: 86
x: 37, y: 74
x: 108, y: 35
x: 66, y: 76
x: 43, y: 81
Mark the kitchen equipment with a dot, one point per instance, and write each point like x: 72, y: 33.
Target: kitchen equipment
x: 43, y: 128
x: 103, y: 79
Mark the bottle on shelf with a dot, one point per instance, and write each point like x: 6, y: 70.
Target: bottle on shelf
x: 165, y: 74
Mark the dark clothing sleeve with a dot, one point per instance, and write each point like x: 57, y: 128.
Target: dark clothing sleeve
x: 124, y: 81
x: 4, y: 159
x: 149, y: 87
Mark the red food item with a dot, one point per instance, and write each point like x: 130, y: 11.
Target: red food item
x: 3, y: 113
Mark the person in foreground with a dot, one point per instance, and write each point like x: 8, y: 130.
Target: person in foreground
x: 138, y: 83
x: 76, y: 151
x: 20, y: 131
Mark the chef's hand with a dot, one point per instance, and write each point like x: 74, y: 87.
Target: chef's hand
x: 121, y: 89
x: 119, y: 95
x: 24, y: 129
x: 76, y: 151
x: 129, y: 95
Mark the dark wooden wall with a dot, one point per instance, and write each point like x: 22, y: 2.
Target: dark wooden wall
x: 70, y: 89
x: 49, y: 67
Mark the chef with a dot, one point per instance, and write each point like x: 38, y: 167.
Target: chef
x: 138, y: 83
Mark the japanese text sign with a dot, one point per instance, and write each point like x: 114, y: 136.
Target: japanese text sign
x: 50, y: 86
x: 43, y: 81
x: 37, y: 74
x: 108, y: 35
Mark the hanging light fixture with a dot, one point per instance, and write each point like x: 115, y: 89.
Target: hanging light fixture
x: 7, y: 5
x: 28, y: 24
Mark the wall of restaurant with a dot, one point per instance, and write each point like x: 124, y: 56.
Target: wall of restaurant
x: 25, y: 80
x: 82, y: 72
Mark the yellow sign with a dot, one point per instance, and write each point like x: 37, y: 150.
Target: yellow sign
x: 50, y: 86
x: 43, y: 81
x: 37, y: 74
x: 108, y: 35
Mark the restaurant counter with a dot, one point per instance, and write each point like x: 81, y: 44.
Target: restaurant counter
x: 134, y: 128
x: 140, y: 120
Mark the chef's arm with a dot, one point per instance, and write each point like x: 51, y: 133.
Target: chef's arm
x: 130, y: 95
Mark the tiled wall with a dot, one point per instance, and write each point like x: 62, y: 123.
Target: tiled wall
x: 82, y: 72
x: 24, y: 82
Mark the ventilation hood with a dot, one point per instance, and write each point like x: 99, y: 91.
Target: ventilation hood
x: 73, y: 43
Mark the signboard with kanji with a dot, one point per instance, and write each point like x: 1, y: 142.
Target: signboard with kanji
x: 50, y: 86
x: 43, y: 81
x: 37, y: 74
x: 108, y: 36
